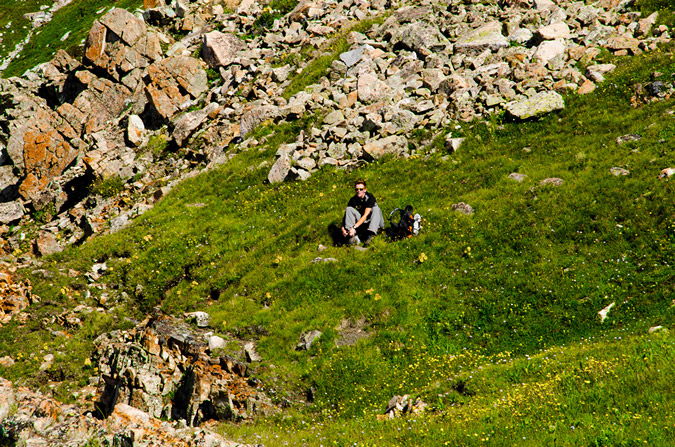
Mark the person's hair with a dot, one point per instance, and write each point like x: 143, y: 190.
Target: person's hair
x: 360, y: 182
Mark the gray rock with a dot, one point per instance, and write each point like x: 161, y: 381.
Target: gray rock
x: 371, y: 89
x: 517, y: 176
x: 201, y: 318
x: 542, y: 5
x: 453, y: 144
x: 616, y: 171
x: 628, y: 138
x: 596, y: 72
x: 8, y: 182
x: 488, y: 36
x: 220, y: 49
x: 320, y: 259
x: 47, y: 244
x: 351, y: 58
x: 463, y: 208
x: 135, y: 130
x: 251, y: 353
x: 216, y: 342
x: 255, y: 116
x: 334, y: 118
x: 11, y: 211
x: 190, y: 121
x: 521, y: 36
x: 549, y: 50
x: 280, y: 170
x: 422, y: 38
x: 396, y: 145
x: 554, y: 31
x: 553, y: 181
x: 307, y: 339
x: 280, y: 74
x: 535, y: 106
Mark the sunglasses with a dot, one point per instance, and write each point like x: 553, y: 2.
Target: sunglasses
x: 360, y: 189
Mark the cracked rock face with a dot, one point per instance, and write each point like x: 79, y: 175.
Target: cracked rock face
x: 30, y: 418
x: 162, y: 367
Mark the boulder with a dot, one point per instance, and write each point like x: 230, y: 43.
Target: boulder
x: 220, y: 49
x: 256, y: 114
x: 553, y: 181
x: 351, y: 58
x: 618, y: 43
x: 307, y: 339
x: 47, y: 244
x: 453, y: 144
x: 517, y: 176
x: 279, y: 170
x: 558, y: 30
x: 535, y: 106
x: 120, y: 42
x: 550, y: 50
x: 135, y: 130
x: 618, y: 171
x: 202, y: 319
x: 8, y: 183
x: 190, y: 121
x: 172, y: 82
x: 396, y: 145
x: 371, y: 89
x: 488, y: 36
x: 597, y: 72
x: 39, y: 149
x: 422, y: 38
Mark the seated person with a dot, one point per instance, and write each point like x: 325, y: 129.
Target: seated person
x: 363, y: 218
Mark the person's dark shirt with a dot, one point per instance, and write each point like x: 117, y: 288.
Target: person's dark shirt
x: 368, y: 201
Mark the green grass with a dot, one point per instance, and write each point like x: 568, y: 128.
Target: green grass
x: 76, y: 18
x: 490, y: 318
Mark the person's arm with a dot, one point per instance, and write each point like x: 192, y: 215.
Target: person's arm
x: 366, y: 213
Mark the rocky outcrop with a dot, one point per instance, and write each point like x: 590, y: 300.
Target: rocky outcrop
x: 14, y: 297
x: 162, y: 367
x: 31, y: 418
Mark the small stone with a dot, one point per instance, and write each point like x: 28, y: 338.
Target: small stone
x: 517, y: 177
x: 307, y: 339
x: 463, y: 208
x: 452, y: 144
x: 216, y: 342
x: 553, y: 181
x: 251, y: 353
x: 603, y: 313
x: 201, y: 318
x: 6, y: 361
x: 616, y: 171
x: 628, y: 138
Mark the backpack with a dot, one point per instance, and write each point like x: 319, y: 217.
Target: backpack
x: 403, y: 223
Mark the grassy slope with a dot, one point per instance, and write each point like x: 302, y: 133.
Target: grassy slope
x: 495, y: 327
x: 76, y: 18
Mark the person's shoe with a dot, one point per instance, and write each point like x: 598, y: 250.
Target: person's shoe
x: 354, y: 240
x: 369, y: 239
